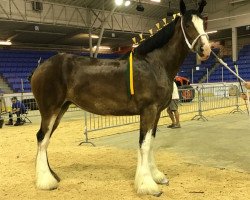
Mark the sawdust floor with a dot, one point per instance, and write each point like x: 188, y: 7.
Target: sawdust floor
x: 105, y: 173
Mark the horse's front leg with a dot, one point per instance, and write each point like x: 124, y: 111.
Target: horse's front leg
x: 157, y: 175
x: 144, y: 182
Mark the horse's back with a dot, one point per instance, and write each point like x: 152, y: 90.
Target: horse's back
x: 67, y: 77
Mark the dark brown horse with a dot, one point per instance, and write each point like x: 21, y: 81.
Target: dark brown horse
x: 99, y: 86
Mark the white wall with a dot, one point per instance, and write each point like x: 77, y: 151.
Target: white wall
x: 222, y: 14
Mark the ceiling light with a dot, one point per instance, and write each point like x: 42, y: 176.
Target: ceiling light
x: 211, y: 32
x: 85, y: 35
x: 139, y: 7
x: 157, y: 1
x: 8, y: 42
x: 94, y: 36
x: 236, y: 1
x: 127, y: 3
x: 102, y: 47
x: 118, y: 2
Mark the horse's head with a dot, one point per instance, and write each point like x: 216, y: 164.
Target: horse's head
x: 193, y: 30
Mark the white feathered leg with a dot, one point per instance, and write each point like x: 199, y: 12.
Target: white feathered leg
x: 144, y: 182
x: 44, y: 178
x: 157, y: 175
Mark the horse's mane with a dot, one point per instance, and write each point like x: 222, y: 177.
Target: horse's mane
x: 158, y: 40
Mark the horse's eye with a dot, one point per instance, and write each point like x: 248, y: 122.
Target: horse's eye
x: 187, y: 25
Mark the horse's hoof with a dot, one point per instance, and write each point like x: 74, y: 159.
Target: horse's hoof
x: 48, y: 182
x: 165, y: 182
x: 157, y: 194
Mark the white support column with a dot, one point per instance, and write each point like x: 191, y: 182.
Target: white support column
x: 90, y: 44
x: 88, y: 21
x: 198, y: 64
x: 222, y: 74
x: 192, y: 75
x: 234, y: 44
x: 207, y: 75
x: 102, y: 31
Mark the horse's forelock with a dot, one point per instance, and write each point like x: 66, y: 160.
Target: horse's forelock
x: 189, y: 15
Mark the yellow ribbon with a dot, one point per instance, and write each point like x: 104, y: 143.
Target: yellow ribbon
x: 131, y: 80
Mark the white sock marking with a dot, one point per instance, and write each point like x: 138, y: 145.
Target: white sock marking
x: 44, y: 178
x: 144, y: 182
x: 158, y: 176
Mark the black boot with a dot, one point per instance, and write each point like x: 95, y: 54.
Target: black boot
x: 18, y: 122
x: 10, y: 122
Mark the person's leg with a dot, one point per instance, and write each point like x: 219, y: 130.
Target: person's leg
x: 18, y: 121
x: 170, y: 113
x: 176, y: 114
x: 177, y: 117
x: 10, y: 122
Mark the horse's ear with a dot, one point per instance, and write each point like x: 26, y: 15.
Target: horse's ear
x: 182, y: 7
x: 202, y: 4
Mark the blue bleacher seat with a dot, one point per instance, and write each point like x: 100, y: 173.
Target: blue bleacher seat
x: 18, y: 64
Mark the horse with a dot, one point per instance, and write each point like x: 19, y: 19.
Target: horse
x: 99, y: 86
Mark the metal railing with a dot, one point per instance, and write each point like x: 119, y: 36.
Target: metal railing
x: 195, y: 101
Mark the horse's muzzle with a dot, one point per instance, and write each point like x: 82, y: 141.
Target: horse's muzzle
x: 204, y: 52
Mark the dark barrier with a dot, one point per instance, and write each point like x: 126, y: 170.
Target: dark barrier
x: 30, y: 104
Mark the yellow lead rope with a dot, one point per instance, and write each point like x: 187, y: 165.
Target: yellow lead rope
x: 131, y: 79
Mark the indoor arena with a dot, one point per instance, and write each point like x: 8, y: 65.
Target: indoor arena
x: 125, y: 99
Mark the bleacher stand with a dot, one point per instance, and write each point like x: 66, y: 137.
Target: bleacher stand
x: 220, y: 73
x: 18, y: 64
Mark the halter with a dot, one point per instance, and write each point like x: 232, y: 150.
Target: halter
x: 191, y: 46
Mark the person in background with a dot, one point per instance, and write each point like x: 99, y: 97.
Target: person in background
x: 18, y: 108
x: 173, y: 108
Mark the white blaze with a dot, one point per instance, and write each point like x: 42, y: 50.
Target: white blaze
x: 198, y: 24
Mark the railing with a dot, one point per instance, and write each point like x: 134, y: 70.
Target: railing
x: 195, y: 101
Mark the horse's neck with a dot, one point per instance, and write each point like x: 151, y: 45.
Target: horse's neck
x: 172, y: 54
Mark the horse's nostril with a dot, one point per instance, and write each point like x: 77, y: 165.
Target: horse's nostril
x: 201, y: 49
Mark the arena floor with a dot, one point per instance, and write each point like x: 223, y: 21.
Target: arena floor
x: 203, y: 160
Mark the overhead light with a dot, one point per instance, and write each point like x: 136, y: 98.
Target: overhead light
x: 157, y: 1
x: 236, y: 1
x: 95, y: 36
x: 127, y: 3
x: 211, y: 32
x: 8, y: 42
x: 85, y: 35
x: 118, y: 2
x: 102, y: 47
x: 139, y: 7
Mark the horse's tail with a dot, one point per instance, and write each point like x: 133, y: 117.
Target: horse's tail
x: 38, y: 63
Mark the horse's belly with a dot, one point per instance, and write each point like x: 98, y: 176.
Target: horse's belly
x: 107, y: 106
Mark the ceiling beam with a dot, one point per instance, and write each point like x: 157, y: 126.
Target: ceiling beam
x: 72, y: 16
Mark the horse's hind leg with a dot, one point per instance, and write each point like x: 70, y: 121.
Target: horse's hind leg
x: 157, y: 175
x: 45, y: 178
x: 60, y: 115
